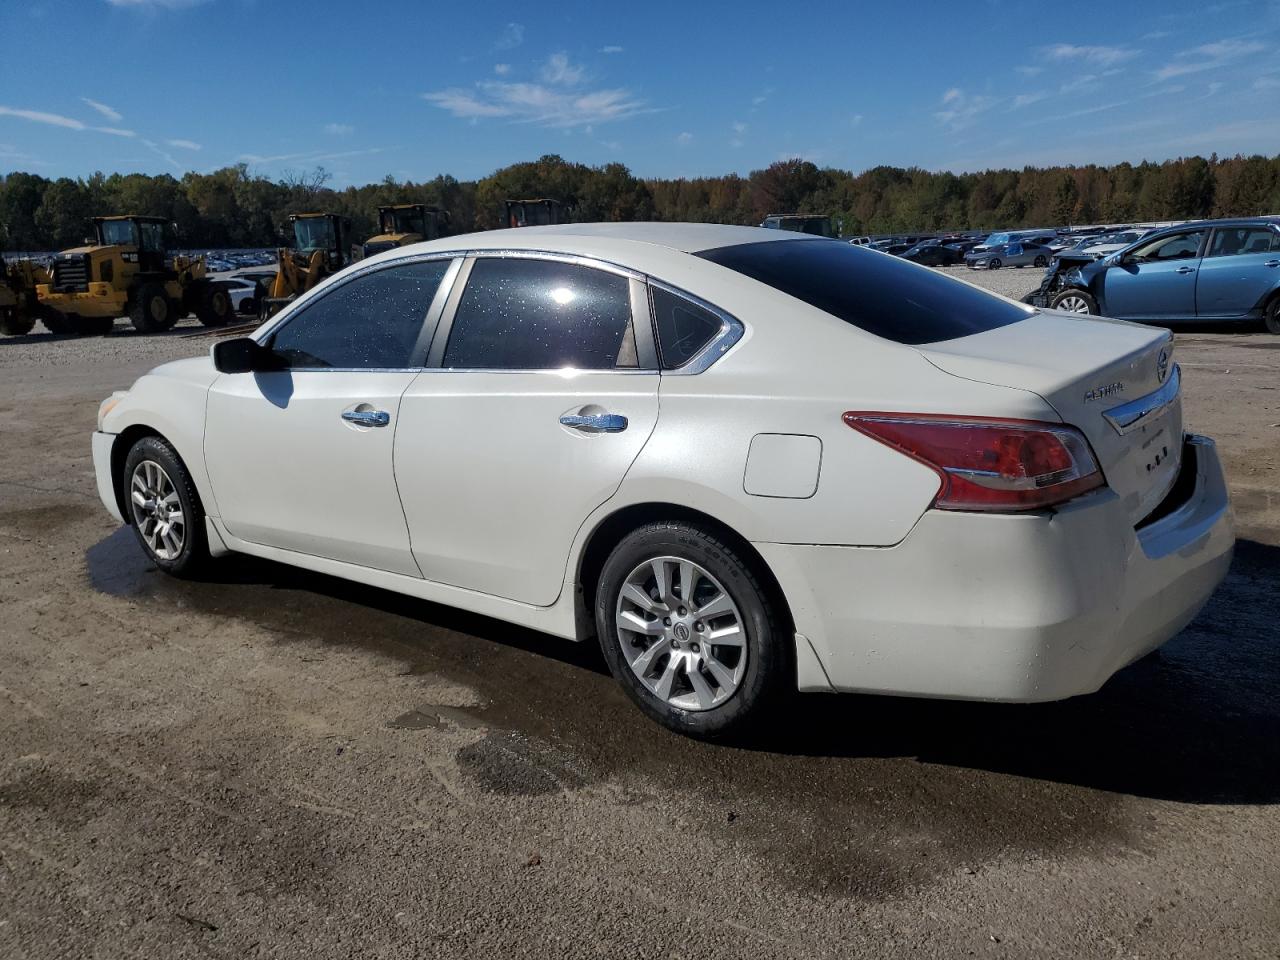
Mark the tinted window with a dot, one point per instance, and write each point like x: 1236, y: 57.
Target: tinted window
x: 684, y: 328
x: 519, y: 314
x: 886, y: 296
x: 1243, y: 240
x: 371, y: 322
x: 1178, y: 246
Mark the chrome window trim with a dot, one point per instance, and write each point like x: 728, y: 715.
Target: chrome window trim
x: 731, y: 331
x: 1129, y: 416
x: 578, y: 259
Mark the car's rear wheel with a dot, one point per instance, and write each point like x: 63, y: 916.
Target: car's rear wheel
x: 1075, y: 301
x: 164, y: 508
x: 994, y: 264
x: 689, y: 631
x: 1272, y: 318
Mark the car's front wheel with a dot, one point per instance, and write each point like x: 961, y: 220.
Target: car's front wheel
x: 164, y: 508
x: 994, y: 263
x: 689, y: 630
x: 1075, y: 301
x: 1041, y: 260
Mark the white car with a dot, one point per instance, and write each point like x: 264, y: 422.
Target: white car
x: 748, y: 460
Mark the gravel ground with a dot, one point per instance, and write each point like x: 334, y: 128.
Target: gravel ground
x: 271, y: 763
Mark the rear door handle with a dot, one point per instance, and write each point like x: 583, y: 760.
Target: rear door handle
x: 1272, y: 263
x: 1185, y: 270
x: 367, y: 418
x: 595, y: 422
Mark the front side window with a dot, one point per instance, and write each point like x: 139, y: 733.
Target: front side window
x: 118, y: 232
x: 527, y: 314
x: 152, y: 237
x: 315, y: 233
x: 1179, y: 246
x: 1235, y: 241
x: 373, y: 322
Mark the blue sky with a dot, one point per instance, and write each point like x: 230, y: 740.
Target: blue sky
x: 413, y: 89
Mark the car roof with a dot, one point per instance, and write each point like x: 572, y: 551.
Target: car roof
x: 683, y: 237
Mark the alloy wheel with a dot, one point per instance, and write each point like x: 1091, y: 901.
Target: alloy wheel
x: 157, y: 510
x: 681, y: 633
x: 1073, y: 304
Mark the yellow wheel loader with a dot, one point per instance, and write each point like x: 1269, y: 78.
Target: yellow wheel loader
x: 322, y: 247
x: 536, y: 213
x: 406, y: 223
x: 19, y: 306
x: 124, y: 272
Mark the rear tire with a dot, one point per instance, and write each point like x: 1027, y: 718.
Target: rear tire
x: 1075, y: 301
x: 163, y: 507
x: 15, y: 324
x: 666, y: 664
x: 1272, y: 317
x: 214, y: 307
x: 150, y: 311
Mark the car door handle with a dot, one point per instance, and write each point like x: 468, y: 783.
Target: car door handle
x: 1272, y: 263
x: 1185, y: 270
x: 595, y: 422
x: 367, y: 418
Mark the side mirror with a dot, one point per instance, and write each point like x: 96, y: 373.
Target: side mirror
x: 243, y: 355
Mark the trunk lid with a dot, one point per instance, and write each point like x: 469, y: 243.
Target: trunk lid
x: 1114, y: 381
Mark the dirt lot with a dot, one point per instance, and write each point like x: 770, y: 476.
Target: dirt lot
x: 278, y: 764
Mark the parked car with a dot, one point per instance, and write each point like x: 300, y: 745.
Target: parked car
x: 247, y: 286
x: 1107, y: 243
x: 1014, y: 254
x: 1212, y: 270
x: 1011, y: 236
x: 933, y: 253
x: 862, y: 475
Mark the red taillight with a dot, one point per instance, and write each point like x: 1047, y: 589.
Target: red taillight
x: 988, y: 464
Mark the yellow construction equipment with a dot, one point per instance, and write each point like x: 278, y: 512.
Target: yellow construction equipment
x: 125, y: 271
x: 19, y: 305
x: 322, y: 246
x: 536, y: 213
x: 404, y: 223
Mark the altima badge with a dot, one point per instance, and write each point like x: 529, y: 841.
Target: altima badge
x: 1097, y: 393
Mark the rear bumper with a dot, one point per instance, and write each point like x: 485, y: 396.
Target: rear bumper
x: 1015, y: 608
x: 102, y: 443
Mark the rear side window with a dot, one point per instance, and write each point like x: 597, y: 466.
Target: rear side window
x: 883, y: 295
x: 684, y: 328
x: 524, y: 314
x: 1238, y: 241
x: 370, y: 323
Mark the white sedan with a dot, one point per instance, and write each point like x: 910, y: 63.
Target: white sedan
x: 748, y: 461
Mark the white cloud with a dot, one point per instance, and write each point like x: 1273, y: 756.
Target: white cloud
x: 855, y: 120
x: 1026, y: 99
x: 538, y: 103
x: 184, y: 144
x: 339, y: 129
x: 306, y: 157
x: 502, y: 69
x: 739, y: 127
x: 57, y: 120
x: 109, y: 112
x: 1267, y: 83
x: 1102, y: 56
x: 511, y: 37
x: 684, y: 138
x: 163, y: 155
x: 611, y: 49
x: 1029, y: 71
x: 962, y: 109
x: 559, y: 70
x: 1209, y: 56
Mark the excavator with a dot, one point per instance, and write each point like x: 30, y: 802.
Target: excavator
x: 19, y: 305
x: 321, y: 247
x: 125, y: 271
x: 404, y: 223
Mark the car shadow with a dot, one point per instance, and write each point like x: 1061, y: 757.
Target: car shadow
x: 1198, y: 722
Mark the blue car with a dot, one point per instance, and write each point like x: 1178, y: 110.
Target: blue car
x: 1225, y: 270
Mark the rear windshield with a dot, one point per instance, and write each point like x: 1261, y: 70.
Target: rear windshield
x: 884, y: 295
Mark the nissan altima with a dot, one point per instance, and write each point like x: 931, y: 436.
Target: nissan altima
x: 748, y: 461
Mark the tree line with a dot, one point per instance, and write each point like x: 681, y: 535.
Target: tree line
x: 233, y: 207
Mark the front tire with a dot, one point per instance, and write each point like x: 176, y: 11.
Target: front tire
x: 14, y: 323
x: 994, y: 264
x: 1272, y: 318
x: 1041, y: 261
x: 1075, y: 301
x: 688, y: 629
x: 150, y: 311
x: 164, y: 508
